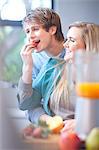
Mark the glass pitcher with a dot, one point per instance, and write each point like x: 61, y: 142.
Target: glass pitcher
x: 87, y: 91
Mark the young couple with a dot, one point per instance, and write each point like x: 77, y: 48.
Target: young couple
x: 52, y: 92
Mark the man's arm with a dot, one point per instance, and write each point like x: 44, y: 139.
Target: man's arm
x: 39, y: 59
x: 28, y: 98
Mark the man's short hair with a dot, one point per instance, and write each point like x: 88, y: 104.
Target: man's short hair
x: 46, y: 18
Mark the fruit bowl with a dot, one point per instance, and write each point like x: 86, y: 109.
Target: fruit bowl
x: 33, y: 136
x: 44, y: 136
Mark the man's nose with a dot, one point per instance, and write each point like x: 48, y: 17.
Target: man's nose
x: 31, y: 35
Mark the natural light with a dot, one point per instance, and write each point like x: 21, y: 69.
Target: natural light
x: 13, y: 10
x: 16, y: 9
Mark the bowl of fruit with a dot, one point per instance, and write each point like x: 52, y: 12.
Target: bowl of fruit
x: 43, y: 136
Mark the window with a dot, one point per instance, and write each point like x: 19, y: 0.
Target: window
x: 16, y: 9
x: 11, y: 41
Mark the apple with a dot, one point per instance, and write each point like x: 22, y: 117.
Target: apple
x: 55, y: 124
x: 92, y: 140
x: 69, y: 141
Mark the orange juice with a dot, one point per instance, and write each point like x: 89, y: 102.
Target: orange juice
x: 88, y: 90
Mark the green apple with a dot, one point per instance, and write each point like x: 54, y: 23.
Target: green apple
x: 92, y: 141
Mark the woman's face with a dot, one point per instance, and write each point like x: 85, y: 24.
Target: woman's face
x: 73, y: 42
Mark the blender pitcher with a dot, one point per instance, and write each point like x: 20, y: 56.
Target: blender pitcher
x: 87, y: 91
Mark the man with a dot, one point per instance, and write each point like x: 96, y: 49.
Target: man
x: 39, y: 59
x: 43, y: 29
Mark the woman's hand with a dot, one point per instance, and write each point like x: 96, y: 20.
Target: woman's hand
x: 46, y: 118
x: 69, y: 126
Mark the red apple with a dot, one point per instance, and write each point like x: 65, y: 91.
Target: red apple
x: 69, y: 141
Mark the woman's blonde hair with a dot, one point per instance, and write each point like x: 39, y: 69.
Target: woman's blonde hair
x: 89, y: 34
x: 61, y: 92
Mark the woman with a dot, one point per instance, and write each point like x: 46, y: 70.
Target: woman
x: 81, y: 35
x: 60, y: 96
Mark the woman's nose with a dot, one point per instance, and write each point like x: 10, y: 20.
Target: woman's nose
x: 65, y: 44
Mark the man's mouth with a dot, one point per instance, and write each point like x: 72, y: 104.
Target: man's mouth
x: 35, y: 43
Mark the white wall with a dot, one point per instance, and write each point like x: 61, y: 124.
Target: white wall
x: 77, y: 10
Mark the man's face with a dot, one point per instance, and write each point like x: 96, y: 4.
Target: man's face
x: 37, y: 36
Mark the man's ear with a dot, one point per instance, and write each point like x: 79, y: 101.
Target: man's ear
x: 52, y: 30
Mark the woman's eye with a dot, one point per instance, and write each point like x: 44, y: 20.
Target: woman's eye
x: 65, y: 40
x: 72, y: 40
x: 69, y: 40
x: 27, y: 31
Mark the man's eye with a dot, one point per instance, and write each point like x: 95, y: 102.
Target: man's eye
x: 35, y: 29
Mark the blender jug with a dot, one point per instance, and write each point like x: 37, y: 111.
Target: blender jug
x: 87, y: 92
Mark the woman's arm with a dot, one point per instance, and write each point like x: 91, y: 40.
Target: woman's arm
x: 69, y: 126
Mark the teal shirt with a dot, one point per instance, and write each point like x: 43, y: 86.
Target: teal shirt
x: 42, y: 86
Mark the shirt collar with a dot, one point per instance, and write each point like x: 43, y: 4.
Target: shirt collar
x: 61, y: 55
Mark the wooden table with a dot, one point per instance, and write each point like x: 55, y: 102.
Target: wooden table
x: 51, y: 143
